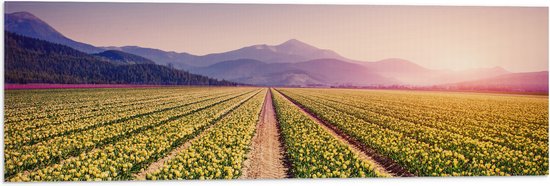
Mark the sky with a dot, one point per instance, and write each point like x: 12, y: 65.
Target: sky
x: 437, y: 37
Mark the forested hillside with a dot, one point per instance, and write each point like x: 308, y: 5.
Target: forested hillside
x: 30, y: 60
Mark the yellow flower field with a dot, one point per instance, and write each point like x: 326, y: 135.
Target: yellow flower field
x: 116, y: 134
x: 441, y: 133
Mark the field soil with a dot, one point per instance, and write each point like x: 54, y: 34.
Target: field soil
x: 266, y: 157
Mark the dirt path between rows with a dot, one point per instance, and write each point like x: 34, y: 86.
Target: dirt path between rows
x: 266, y: 157
x: 382, y: 164
x: 160, y: 163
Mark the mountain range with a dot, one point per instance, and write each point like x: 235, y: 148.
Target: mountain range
x: 122, y: 58
x: 388, y: 71
x: 287, y: 52
x: 27, y: 24
x: 291, y: 63
x: 526, y: 81
x: 316, y: 72
x: 30, y: 60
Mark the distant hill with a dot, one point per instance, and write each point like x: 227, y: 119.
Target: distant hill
x: 119, y: 57
x: 174, y: 59
x: 411, y: 73
x: 402, y: 70
x: 29, y: 60
x: 290, y: 51
x: 338, y: 72
x: 255, y: 72
x: 313, y: 72
x: 294, y: 51
x: 519, y: 82
x: 26, y: 24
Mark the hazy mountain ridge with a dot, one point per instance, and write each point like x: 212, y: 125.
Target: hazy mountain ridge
x: 27, y: 24
x: 413, y: 74
x: 30, y: 60
x: 399, y: 70
x: 522, y: 82
x: 119, y: 57
x: 318, y: 71
x: 161, y: 57
x: 288, y: 52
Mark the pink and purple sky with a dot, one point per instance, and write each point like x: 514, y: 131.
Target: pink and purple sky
x: 438, y: 37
